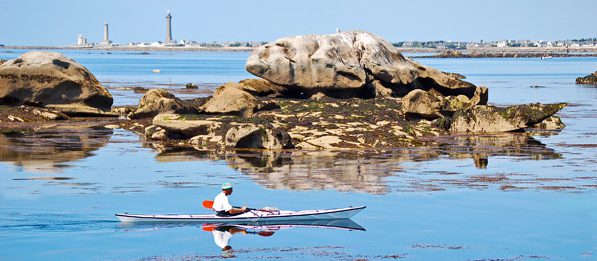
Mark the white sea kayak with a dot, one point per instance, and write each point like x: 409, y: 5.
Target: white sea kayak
x: 251, y: 216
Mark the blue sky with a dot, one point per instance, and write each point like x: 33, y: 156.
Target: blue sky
x: 57, y: 22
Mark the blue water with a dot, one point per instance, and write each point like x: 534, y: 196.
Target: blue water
x: 59, y: 192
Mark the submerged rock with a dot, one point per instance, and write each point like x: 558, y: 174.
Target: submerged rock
x: 158, y: 101
x: 348, y: 64
x: 191, y: 86
x: 589, y: 79
x: 43, y: 78
x: 497, y: 119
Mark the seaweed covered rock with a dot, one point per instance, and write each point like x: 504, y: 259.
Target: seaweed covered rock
x: 551, y: 123
x: 502, y: 119
x: 43, y: 78
x: 348, y: 64
x: 158, y: 101
x: 589, y: 79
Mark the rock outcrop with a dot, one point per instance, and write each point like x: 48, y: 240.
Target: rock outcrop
x: 348, y: 64
x: 237, y: 98
x: 551, y: 123
x: 77, y: 109
x: 589, y: 79
x: 44, y: 78
x: 230, y: 98
x: 261, y: 87
x: 184, y: 126
x: 428, y: 105
x: 158, y: 101
x: 422, y: 104
x: 203, y: 133
x: 496, y: 119
x: 257, y: 137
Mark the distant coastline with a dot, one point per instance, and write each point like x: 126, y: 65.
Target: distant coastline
x: 132, y: 48
x: 475, y: 52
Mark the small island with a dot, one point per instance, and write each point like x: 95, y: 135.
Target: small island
x: 350, y: 90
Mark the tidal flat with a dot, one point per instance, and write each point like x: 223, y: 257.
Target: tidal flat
x: 510, y: 196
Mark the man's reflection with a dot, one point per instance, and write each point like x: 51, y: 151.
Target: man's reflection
x: 223, y: 233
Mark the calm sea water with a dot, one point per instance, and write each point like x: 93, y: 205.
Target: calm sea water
x: 486, y: 197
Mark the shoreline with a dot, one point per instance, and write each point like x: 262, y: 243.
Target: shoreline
x: 476, y: 52
x: 135, y: 49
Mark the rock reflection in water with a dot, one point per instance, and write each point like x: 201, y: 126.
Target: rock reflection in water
x: 481, y: 147
x: 364, y: 171
x: 48, y: 150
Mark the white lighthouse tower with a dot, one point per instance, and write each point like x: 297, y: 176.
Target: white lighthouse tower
x: 106, y: 41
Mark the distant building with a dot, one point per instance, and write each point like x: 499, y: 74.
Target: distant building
x: 106, y: 41
x: 82, y: 41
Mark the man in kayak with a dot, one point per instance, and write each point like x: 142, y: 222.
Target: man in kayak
x: 221, y: 205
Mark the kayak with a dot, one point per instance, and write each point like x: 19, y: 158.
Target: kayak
x: 251, y: 216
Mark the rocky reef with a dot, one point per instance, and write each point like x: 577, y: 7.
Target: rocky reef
x: 350, y: 90
x: 589, y: 79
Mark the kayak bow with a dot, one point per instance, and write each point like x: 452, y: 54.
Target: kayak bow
x: 253, y: 215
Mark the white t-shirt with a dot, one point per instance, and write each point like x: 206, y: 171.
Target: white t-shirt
x: 222, y: 239
x: 221, y: 203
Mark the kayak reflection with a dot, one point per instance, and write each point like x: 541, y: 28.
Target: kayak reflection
x: 223, y: 233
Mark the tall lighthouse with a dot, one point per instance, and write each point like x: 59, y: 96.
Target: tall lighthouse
x: 168, y: 28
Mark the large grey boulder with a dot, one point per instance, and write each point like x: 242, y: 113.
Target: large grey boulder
x: 348, y: 61
x: 502, y: 119
x: 158, y: 101
x: 44, y: 78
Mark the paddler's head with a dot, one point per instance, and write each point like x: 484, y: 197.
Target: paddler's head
x: 227, y: 188
x: 227, y: 252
